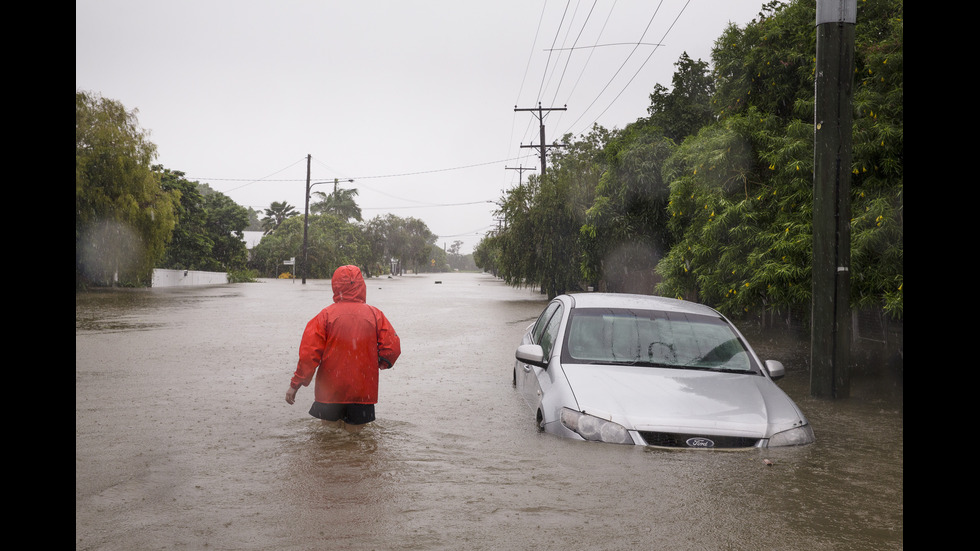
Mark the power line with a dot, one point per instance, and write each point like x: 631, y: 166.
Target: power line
x: 591, y: 52
x: 644, y: 61
x: 548, y: 62
x: 430, y: 171
x: 375, y: 177
x: 249, y: 180
x: 430, y: 205
x: 612, y: 44
x: 569, y: 58
x: 604, y: 88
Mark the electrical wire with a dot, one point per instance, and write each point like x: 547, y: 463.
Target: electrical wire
x: 568, y: 58
x: 612, y: 78
x: 644, y: 62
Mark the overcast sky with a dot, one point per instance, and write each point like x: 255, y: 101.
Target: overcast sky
x: 412, y: 99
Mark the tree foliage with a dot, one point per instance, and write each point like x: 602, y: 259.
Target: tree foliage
x: 208, y: 234
x: 380, y: 245
x: 683, y: 109
x: 878, y: 159
x: 752, y: 172
x: 276, y: 214
x: 540, y: 243
x: 331, y: 242
x: 625, y: 232
x: 132, y: 216
x: 123, y: 216
x: 714, y: 187
x: 340, y: 203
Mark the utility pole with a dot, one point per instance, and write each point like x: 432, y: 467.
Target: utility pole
x: 306, y: 216
x: 306, y: 213
x: 520, y: 174
x: 832, y: 145
x: 540, y: 116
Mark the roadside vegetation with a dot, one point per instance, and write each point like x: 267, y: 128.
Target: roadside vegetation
x: 709, y: 196
x: 133, y: 216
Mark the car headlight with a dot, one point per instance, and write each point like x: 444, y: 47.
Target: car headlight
x: 594, y: 428
x: 793, y: 437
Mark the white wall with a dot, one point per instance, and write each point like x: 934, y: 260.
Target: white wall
x: 176, y: 278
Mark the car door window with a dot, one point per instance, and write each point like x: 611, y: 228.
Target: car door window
x: 550, y: 333
x: 539, y: 326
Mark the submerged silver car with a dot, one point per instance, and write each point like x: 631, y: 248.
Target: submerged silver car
x: 652, y: 371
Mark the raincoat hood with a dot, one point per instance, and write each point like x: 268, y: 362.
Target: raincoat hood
x: 348, y: 285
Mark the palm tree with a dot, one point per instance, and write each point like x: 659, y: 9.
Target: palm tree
x: 276, y: 214
x: 339, y: 203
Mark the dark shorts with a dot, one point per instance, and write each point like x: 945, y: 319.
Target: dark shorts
x: 352, y: 414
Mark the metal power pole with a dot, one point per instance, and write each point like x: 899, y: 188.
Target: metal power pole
x: 832, y: 121
x: 540, y: 116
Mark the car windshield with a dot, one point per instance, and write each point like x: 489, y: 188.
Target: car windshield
x: 654, y: 338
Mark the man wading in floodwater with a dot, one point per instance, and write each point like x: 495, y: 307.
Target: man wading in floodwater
x: 345, y: 345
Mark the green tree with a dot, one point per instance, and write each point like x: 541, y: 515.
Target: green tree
x: 438, y: 261
x: 417, y: 244
x: 333, y: 242
x: 190, y: 246
x: 516, y: 258
x: 625, y: 232
x: 743, y: 234
x: 209, y: 230
x: 402, y: 243
x: 540, y: 243
x: 486, y: 254
x: 340, y: 203
x: 225, y: 224
x: 379, y: 254
x: 269, y: 254
x: 684, y: 109
x: 276, y: 214
x: 877, y: 179
x: 741, y: 189
x: 254, y: 223
x: 454, y: 259
x: 123, y: 217
x: 769, y: 63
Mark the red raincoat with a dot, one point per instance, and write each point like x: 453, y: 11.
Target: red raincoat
x: 349, y: 341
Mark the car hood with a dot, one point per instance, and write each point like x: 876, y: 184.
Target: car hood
x: 685, y: 401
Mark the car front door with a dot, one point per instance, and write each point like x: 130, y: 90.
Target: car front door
x: 536, y: 378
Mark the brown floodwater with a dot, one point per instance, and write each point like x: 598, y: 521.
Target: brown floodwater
x: 183, y: 439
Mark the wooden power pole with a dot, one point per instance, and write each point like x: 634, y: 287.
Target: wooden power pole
x: 832, y: 120
x: 540, y: 114
x: 520, y: 172
x: 306, y: 218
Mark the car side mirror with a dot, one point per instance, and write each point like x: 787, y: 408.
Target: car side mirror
x: 531, y: 354
x: 775, y: 369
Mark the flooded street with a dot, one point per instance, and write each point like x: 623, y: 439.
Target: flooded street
x: 183, y: 440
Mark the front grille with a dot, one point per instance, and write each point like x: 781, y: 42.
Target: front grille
x: 675, y: 440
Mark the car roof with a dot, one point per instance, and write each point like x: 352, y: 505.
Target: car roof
x: 643, y: 302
